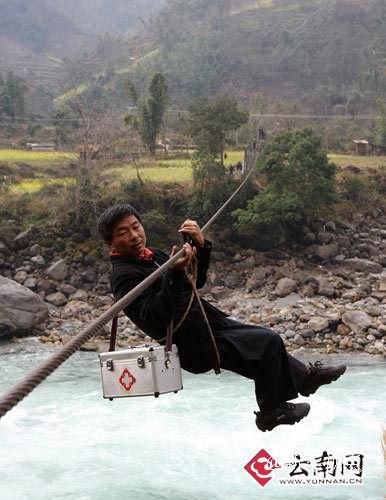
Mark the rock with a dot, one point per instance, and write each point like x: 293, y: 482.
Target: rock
x: 232, y: 280
x: 307, y: 333
x: 309, y: 238
x: 325, y: 287
x: 21, y: 310
x: 58, y: 271
x: 381, y: 259
x: 343, y: 329
x: 325, y: 237
x: 31, y: 283
x: 90, y: 345
x: 35, y: 250
x: 46, y: 286
x: 309, y: 289
x: 219, y: 292
x: 75, y: 309
x: 20, y: 276
x: 382, y: 284
x: 285, y: 286
x: 330, y: 226
x: 67, y: 290
x: 292, y: 298
x: 104, y: 279
x: 89, y: 259
x: 81, y: 295
x: 351, y: 295
x: 327, y: 252
x: 3, y: 248
x: 248, y: 263
x: 363, y: 265
x: 374, y: 311
x: 57, y: 299
x: 358, y: 321
x: 289, y: 334
x: 344, y: 343
x: 258, y: 278
x: 376, y: 333
x: 22, y: 239
x: 38, y: 261
x: 76, y: 281
x: 218, y: 256
x: 379, y: 346
x: 89, y: 276
x: 318, y: 324
x: 299, y: 340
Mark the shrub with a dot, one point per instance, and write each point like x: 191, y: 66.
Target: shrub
x: 299, y: 182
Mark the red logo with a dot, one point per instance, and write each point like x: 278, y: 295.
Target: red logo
x: 126, y: 380
x: 261, y: 467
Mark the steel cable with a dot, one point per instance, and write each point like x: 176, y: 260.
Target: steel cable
x: 20, y: 390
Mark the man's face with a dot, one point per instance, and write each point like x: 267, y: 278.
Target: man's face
x: 128, y: 237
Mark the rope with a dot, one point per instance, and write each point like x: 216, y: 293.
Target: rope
x: 192, y: 278
x: 19, y: 391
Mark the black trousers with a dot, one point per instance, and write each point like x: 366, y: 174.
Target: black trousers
x: 258, y: 353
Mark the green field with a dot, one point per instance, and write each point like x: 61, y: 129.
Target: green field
x: 35, y: 158
x: 343, y: 160
x: 45, y: 172
x: 35, y: 185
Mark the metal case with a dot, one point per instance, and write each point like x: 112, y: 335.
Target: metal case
x: 140, y: 371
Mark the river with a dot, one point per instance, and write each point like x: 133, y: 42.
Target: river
x: 65, y: 442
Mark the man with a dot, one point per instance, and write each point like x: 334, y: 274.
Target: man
x: 252, y: 351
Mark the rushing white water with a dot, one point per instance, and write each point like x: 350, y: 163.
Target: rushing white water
x: 65, y: 442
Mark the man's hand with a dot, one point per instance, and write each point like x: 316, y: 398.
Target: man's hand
x: 192, y: 229
x: 185, y: 260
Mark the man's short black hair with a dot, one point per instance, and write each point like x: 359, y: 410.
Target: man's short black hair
x: 111, y: 217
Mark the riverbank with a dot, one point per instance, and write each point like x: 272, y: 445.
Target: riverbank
x: 326, y: 292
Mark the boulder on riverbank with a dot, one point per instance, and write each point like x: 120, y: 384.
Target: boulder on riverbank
x: 21, y: 310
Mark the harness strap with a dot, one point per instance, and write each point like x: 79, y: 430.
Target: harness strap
x: 113, y: 336
x: 192, y: 278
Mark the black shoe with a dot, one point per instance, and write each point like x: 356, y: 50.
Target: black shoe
x: 286, y: 413
x: 320, y: 375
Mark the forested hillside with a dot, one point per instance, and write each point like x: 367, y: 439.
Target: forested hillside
x: 321, y: 51
x: 320, y: 56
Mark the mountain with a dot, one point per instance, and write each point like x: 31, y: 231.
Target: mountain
x: 35, y: 35
x: 113, y: 16
x: 33, y: 39
x: 329, y: 49
x: 36, y: 25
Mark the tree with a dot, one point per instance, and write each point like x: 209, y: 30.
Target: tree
x: 209, y: 124
x: 148, y: 115
x: 381, y: 129
x: 299, y: 181
x: 85, y: 106
x: 12, y: 92
x: 211, y: 121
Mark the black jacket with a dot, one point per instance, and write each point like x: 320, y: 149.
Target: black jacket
x: 166, y: 299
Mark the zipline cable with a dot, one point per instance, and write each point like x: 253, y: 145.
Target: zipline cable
x: 19, y: 391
